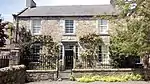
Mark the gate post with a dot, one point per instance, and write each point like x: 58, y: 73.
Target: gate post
x: 57, y: 66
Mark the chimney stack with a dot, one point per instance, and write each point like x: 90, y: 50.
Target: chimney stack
x: 30, y: 4
x: 113, y: 2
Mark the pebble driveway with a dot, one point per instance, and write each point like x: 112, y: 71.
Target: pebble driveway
x: 74, y: 82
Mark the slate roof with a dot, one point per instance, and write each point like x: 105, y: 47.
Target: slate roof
x: 73, y: 10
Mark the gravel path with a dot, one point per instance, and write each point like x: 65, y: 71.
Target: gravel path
x: 73, y: 82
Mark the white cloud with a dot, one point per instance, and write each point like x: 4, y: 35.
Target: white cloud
x: 71, y: 2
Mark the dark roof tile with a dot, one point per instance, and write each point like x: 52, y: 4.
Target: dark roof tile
x: 74, y: 10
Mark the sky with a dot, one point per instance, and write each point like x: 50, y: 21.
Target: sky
x: 9, y: 7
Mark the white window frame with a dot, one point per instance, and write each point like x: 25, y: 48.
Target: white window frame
x: 105, y: 54
x: 73, y: 27
x: 31, y: 26
x: 36, y: 54
x: 99, y: 27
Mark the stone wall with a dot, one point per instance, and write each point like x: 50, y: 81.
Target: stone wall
x: 9, y: 54
x: 54, y: 26
x: 82, y: 72
x: 38, y: 75
x: 12, y: 75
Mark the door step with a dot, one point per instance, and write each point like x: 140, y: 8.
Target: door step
x: 66, y: 71
x: 65, y: 75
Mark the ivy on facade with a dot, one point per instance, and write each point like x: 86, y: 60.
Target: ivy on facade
x: 90, y: 45
x: 48, y: 50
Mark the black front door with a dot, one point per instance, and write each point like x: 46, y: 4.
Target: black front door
x: 69, y: 59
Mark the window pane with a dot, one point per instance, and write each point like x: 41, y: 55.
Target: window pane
x: 100, y: 54
x: 36, y: 23
x: 103, y: 28
x: 68, y: 46
x: 36, y: 26
x: 69, y: 25
x: 36, y: 30
x: 105, y: 49
x: 36, y: 52
x: 103, y: 22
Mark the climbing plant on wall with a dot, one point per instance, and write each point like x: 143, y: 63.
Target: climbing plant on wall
x: 90, y: 45
x: 48, y: 50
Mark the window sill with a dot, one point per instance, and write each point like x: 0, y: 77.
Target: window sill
x: 104, y: 34
x: 69, y: 35
x: 34, y: 34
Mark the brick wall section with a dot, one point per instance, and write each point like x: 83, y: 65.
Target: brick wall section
x: 38, y: 75
x: 13, y: 75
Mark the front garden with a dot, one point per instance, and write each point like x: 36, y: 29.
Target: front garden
x: 112, y: 78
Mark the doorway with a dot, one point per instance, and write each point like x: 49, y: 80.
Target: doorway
x: 68, y: 55
x: 68, y: 59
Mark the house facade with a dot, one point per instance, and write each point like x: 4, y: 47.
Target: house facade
x: 66, y: 24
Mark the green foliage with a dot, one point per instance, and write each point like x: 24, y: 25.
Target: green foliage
x: 113, y: 78
x: 11, y: 31
x: 126, y: 44
x: 3, y: 36
x: 132, y: 37
x: 90, y: 44
x: 72, y: 78
x: 47, y: 42
x: 48, y: 52
x: 90, y: 41
x: 25, y: 43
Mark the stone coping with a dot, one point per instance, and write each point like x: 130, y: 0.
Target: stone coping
x: 17, y: 67
x: 40, y: 71
x: 106, y: 70
x: 9, y: 47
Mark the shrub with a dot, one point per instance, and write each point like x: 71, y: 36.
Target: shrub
x: 123, y: 61
x: 72, y: 78
x: 3, y: 36
x: 114, y: 78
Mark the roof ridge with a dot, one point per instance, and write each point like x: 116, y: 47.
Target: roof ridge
x: 74, y: 5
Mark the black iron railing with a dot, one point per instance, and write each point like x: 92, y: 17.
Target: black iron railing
x: 40, y: 62
x: 4, y: 61
x: 105, y: 62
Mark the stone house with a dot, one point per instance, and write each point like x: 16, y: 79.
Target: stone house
x: 66, y: 24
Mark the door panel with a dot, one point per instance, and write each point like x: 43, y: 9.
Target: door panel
x: 69, y: 59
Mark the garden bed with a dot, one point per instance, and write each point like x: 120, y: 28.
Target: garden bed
x: 78, y: 73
